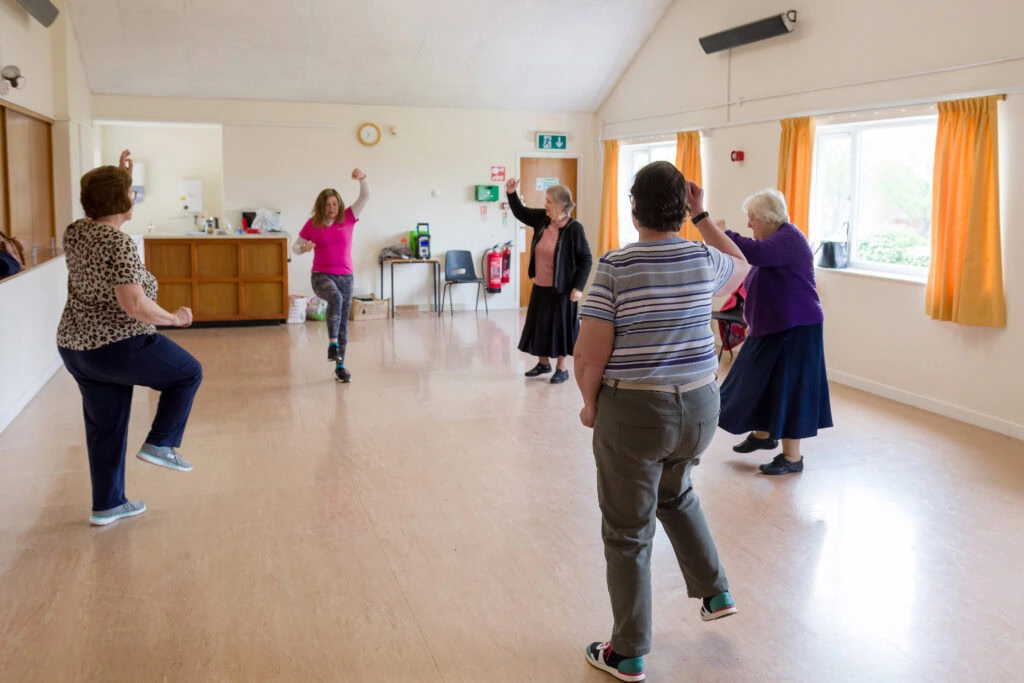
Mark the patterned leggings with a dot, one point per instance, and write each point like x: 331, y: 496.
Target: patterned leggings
x: 336, y: 290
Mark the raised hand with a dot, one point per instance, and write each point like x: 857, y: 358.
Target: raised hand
x: 694, y: 197
x: 358, y: 175
x: 126, y: 161
x: 512, y: 184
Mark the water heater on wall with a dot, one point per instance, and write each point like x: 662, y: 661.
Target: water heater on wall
x: 191, y: 195
x: 139, y: 181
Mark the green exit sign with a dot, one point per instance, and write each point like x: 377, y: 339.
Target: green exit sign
x: 552, y: 141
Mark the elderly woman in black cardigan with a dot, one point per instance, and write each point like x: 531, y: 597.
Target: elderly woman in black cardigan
x: 560, y: 264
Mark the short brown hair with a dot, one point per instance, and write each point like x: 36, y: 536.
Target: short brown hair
x: 659, y: 197
x: 320, y: 207
x: 105, y: 192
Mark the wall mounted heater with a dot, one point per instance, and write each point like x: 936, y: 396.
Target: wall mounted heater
x: 777, y: 25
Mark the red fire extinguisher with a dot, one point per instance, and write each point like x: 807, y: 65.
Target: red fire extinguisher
x: 506, y: 263
x: 494, y: 260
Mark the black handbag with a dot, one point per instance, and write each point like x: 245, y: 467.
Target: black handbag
x: 8, y: 264
x: 835, y: 254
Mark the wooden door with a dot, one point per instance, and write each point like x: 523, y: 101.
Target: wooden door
x: 539, y: 172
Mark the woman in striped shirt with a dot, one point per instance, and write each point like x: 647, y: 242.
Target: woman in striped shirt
x: 645, y: 363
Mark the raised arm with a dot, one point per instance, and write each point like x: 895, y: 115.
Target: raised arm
x: 532, y: 217
x: 714, y: 237
x: 364, y: 192
x: 777, y: 250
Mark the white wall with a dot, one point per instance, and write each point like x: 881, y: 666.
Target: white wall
x: 877, y: 335
x: 170, y: 153
x: 280, y: 155
x: 30, y: 308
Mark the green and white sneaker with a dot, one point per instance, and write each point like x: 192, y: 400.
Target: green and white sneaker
x: 164, y: 456
x: 129, y: 509
x: 717, y: 606
x: 600, y: 656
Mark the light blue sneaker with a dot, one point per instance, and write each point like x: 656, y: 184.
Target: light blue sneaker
x: 129, y: 509
x: 164, y: 456
x: 600, y: 656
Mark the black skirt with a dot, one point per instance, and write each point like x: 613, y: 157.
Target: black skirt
x: 778, y: 385
x: 552, y: 324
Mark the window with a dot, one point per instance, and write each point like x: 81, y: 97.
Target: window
x: 875, y: 179
x: 631, y: 159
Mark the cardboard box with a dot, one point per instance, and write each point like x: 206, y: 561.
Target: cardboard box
x: 373, y: 309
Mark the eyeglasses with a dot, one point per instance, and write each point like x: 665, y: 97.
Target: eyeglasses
x: 132, y: 194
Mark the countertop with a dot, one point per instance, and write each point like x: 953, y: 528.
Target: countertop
x: 203, y: 236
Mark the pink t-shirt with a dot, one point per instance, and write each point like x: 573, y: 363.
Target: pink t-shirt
x: 332, y: 253
x: 544, y: 258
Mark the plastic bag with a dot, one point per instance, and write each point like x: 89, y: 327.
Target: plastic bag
x: 316, y: 308
x: 395, y: 251
x: 267, y: 221
x: 296, y: 309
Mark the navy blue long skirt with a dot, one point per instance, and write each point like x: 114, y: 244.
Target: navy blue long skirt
x: 778, y: 385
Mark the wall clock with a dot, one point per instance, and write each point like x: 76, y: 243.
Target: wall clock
x: 369, y: 134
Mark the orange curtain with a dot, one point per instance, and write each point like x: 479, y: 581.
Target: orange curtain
x: 688, y: 163
x: 608, y: 238
x: 796, y: 156
x: 965, y: 280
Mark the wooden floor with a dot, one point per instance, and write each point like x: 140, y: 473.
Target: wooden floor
x: 436, y: 520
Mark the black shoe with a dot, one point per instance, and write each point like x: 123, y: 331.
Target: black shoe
x: 752, y: 443
x: 538, y: 369
x: 332, y: 352
x: 782, y: 466
x: 341, y: 374
x: 559, y: 376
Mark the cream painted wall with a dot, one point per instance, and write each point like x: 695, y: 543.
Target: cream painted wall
x: 280, y: 155
x: 672, y: 85
x: 25, y: 42
x: 877, y: 335
x: 170, y: 154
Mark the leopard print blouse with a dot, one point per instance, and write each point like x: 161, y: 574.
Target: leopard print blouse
x: 100, y: 257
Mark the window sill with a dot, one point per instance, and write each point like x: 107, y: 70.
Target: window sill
x: 877, y: 274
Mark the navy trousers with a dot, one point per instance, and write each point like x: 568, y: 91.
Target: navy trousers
x: 106, y: 377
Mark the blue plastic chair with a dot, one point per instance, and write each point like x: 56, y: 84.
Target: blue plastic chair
x: 459, y: 270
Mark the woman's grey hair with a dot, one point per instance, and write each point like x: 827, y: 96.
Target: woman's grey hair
x: 562, y: 195
x: 769, y: 205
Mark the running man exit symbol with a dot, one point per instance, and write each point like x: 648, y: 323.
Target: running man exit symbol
x: 551, y: 141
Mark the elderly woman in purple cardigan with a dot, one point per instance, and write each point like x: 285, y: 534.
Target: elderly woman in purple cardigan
x: 777, y: 389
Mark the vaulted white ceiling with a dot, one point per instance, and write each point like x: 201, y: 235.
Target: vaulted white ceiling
x: 559, y: 55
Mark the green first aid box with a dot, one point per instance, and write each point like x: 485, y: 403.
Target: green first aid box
x: 487, y: 193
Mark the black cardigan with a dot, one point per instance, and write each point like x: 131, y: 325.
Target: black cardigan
x: 572, y: 253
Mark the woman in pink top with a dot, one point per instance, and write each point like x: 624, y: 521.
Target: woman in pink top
x: 328, y: 234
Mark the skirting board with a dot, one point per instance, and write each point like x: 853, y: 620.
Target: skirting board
x: 8, y: 417
x: 994, y: 424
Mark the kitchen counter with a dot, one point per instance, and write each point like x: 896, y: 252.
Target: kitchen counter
x: 222, y: 278
x: 204, y: 236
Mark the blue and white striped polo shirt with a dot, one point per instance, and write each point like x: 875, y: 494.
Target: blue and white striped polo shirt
x: 658, y: 296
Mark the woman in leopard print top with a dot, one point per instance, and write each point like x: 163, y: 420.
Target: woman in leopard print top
x: 108, y: 341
